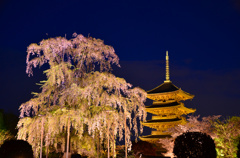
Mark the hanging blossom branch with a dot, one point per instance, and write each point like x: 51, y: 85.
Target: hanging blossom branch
x: 82, y: 52
x: 68, y: 60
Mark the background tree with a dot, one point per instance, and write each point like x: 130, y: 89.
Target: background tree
x: 7, y: 126
x: 10, y: 122
x: 1, y: 119
x: 238, y: 149
x: 75, y: 94
x: 4, y: 135
x: 227, y: 136
x: 194, y: 144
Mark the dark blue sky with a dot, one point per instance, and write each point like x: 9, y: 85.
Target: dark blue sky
x: 202, y: 37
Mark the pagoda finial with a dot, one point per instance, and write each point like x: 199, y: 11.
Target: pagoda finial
x: 167, y: 68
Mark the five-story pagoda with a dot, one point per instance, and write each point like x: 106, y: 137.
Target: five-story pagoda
x: 167, y: 108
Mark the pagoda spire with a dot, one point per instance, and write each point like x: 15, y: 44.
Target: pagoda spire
x: 167, y: 68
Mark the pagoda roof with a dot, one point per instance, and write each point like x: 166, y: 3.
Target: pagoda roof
x: 168, y: 91
x: 164, y: 87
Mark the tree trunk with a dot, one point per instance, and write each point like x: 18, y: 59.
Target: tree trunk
x: 47, y: 145
x: 125, y: 126
x: 47, y: 152
x: 41, y: 139
x: 113, y: 142
x: 98, y: 144
x: 108, y: 137
x: 68, y: 135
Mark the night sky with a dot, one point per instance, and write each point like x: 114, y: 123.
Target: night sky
x: 202, y: 37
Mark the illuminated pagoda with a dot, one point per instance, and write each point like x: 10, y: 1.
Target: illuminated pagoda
x: 167, y: 108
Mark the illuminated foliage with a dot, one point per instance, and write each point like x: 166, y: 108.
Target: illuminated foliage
x: 227, y: 137
x: 81, y: 89
x: 4, y: 135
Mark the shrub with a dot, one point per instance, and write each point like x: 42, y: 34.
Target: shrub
x: 142, y: 147
x: 194, y: 145
x: 16, y: 149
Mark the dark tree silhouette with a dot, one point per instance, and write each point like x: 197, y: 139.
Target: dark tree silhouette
x: 76, y: 156
x: 238, y: 148
x: 10, y: 122
x: 16, y: 149
x: 194, y: 145
x: 142, y: 147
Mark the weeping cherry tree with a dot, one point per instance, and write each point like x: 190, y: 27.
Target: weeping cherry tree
x: 79, y: 91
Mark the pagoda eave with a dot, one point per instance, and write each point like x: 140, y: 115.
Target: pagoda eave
x: 186, y: 111
x: 174, y: 95
x: 150, y: 140
x: 177, y: 110
x: 153, y: 138
x: 163, y: 125
x: 163, y: 107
